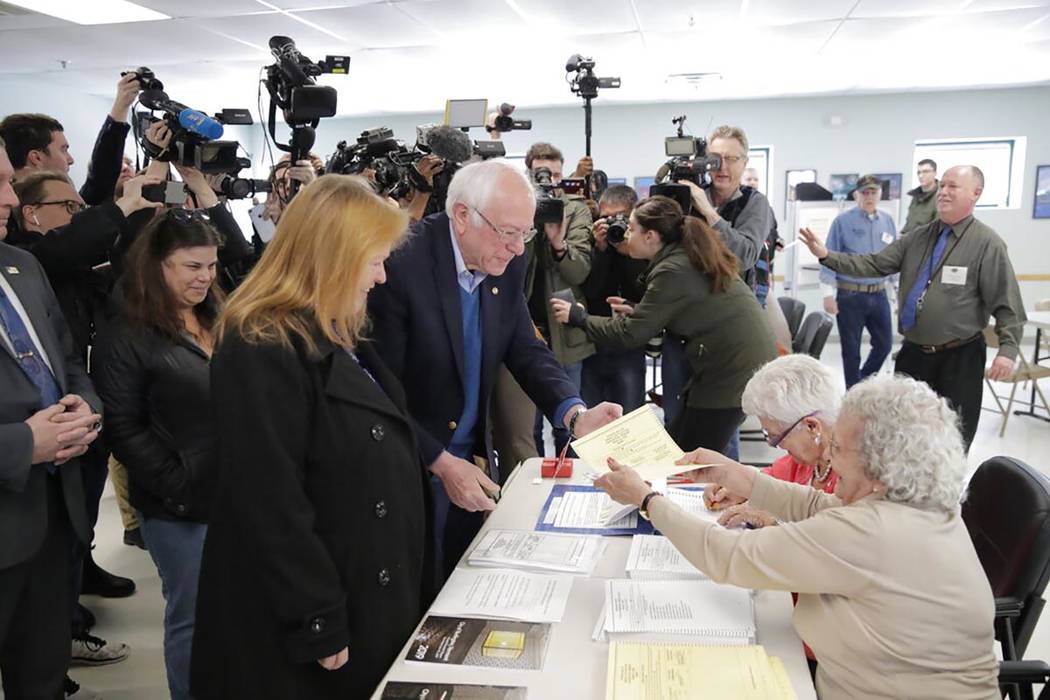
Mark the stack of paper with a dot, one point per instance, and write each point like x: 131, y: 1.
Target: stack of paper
x: 538, y: 551
x: 690, y: 500
x: 504, y: 594
x: 579, y: 509
x: 699, y: 609
x: 653, y: 557
x: 644, y: 671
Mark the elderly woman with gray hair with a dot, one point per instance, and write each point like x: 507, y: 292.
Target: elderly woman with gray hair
x: 892, y: 597
x: 796, y: 400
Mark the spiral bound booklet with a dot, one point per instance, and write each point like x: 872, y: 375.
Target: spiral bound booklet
x: 699, y: 609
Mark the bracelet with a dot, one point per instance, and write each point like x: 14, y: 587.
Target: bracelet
x: 572, y: 423
x: 643, y: 509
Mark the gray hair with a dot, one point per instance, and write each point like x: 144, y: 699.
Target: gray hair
x: 477, y: 183
x: 790, y: 387
x: 910, y: 441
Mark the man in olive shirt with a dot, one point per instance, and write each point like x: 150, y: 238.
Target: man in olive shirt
x: 923, y: 207
x: 955, y: 273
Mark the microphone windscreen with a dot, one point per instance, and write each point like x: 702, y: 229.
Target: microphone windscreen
x: 200, y: 124
x: 450, y: 144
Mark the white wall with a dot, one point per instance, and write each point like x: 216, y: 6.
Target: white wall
x: 878, y: 135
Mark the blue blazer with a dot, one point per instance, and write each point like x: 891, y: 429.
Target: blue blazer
x: 418, y: 331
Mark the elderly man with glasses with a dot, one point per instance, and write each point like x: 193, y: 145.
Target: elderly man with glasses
x: 449, y: 315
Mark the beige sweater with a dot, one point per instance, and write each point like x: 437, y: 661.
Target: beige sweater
x: 892, y: 599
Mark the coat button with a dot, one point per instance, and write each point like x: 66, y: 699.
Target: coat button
x: 452, y: 425
x: 317, y: 625
x: 381, y: 509
x: 378, y: 433
x: 180, y: 509
x: 384, y: 577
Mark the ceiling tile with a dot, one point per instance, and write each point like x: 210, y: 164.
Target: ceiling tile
x: 376, y: 25
x: 796, y: 11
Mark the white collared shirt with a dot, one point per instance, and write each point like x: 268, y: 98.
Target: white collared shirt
x: 468, y: 280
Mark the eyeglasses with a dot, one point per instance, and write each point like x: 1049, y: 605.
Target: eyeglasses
x: 731, y: 160
x: 184, y: 216
x: 507, y: 234
x: 780, y: 438
x: 72, y: 206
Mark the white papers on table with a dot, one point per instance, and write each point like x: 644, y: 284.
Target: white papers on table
x: 504, y: 594
x: 690, y: 500
x: 638, y: 440
x: 539, y: 551
x: 586, y: 510
x: 653, y: 557
x: 699, y: 609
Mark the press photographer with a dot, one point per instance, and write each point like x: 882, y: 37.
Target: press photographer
x: 613, y: 287
x: 558, y: 260
x: 739, y: 213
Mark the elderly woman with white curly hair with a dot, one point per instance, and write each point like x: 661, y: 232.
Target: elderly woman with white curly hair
x: 796, y: 400
x: 892, y: 598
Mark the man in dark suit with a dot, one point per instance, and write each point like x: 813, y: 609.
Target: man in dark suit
x: 449, y: 315
x: 48, y: 417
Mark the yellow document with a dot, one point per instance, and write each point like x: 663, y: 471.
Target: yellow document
x: 638, y: 440
x: 671, y: 671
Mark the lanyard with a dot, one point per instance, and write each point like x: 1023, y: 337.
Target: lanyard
x: 944, y: 259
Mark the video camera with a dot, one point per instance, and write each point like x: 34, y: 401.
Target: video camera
x: 688, y: 157
x: 586, y: 83
x: 377, y: 150
x: 504, y: 122
x: 194, y: 134
x: 290, y: 82
x: 455, y: 148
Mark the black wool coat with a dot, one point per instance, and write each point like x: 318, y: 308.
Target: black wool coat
x: 319, y: 534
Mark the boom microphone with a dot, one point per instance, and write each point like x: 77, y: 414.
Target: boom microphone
x: 451, y: 144
x: 191, y: 120
x: 289, y: 59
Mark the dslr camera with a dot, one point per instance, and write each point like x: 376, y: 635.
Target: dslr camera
x: 616, y: 233
x: 550, y: 208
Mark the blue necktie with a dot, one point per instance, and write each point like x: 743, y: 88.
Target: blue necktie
x: 29, y: 357
x: 911, y: 304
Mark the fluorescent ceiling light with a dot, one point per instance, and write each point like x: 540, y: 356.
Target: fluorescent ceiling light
x: 94, y: 12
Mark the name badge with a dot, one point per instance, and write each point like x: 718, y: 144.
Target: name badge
x: 11, y: 270
x: 953, y: 275
x: 887, y: 237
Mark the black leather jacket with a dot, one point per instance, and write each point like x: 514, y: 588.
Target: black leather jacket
x: 157, y: 395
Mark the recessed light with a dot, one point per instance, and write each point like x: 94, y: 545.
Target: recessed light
x: 94, y: 12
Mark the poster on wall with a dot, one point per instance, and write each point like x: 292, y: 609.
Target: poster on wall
x: 793, y: 178
x: 642, y: 185
x: 1041, y: 209
x: 842, y: 184
x: 891, y: 185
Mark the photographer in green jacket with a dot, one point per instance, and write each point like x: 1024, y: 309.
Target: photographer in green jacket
x: 693, y: 289
x: 558, y: 258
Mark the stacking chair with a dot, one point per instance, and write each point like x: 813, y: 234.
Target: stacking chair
x: 793, y: 310
x: 813, y: 334
x: 1007, y: 513
x: 1024, y: 373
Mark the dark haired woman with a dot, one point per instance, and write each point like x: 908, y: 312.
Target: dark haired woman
x: 693, y: 290
x: 152, y: 373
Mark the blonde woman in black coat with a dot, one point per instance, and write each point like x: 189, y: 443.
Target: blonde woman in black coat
x: 314, y: 561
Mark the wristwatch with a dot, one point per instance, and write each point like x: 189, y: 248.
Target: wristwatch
x: 643, y: 510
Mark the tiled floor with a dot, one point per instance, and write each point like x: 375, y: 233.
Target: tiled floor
x: 137, y: 620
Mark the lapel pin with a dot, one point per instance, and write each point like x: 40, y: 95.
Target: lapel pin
x: 11, y: 270
x: 495, y: 290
